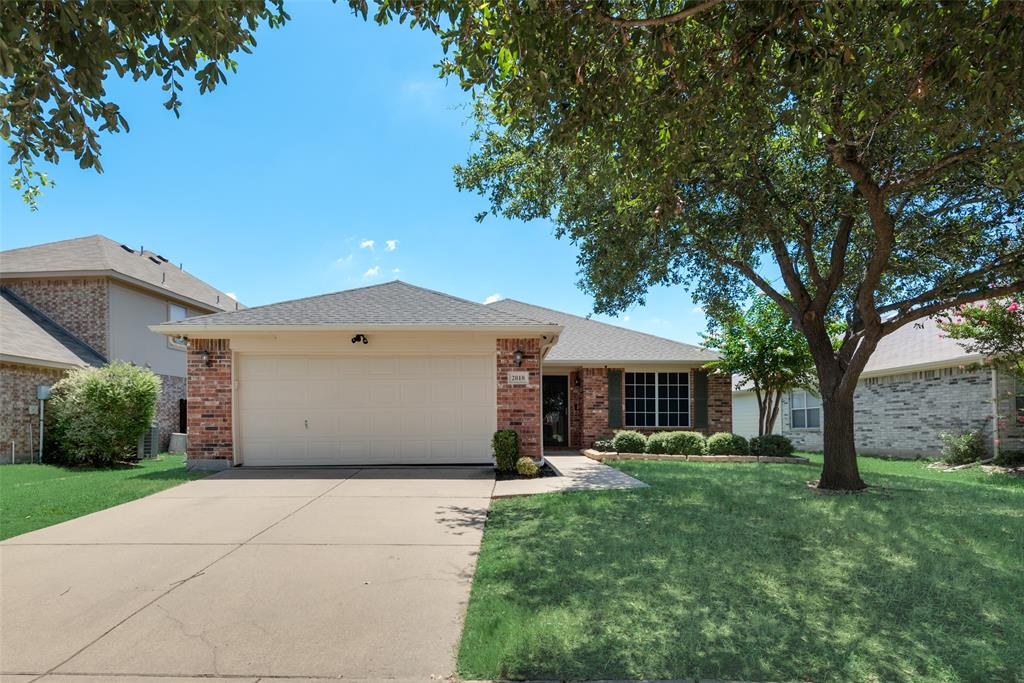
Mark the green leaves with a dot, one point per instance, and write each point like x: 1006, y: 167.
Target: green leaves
x: 55, y: 57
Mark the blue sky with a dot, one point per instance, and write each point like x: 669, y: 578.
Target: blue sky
x: 333, y: 135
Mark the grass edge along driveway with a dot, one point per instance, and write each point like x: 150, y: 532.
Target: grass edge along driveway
x: 37, y: 496
x: 739, y: 571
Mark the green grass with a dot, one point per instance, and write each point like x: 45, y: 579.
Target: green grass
x: 35, y: 496
x: 739, y: 571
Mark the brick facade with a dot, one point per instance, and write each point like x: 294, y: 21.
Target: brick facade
x: 167, y: 408
x: 719, y: 403
x: 209, y: 402
x: 904, y: 414
x: 593, y: 392
x: 1010, y: 421
x: 519, y: 405
x: 19, y: 416
x: 78, y: 304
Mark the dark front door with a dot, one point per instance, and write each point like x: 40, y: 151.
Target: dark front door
x: 556, y: 411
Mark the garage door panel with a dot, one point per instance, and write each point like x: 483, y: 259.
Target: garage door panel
x: 318, y: 410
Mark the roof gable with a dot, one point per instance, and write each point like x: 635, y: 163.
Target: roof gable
x: 30, y: 336
x: 392, y: 304
x: 590, y: 341
x: 98, y: 254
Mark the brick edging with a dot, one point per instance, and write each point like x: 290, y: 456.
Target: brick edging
x: 601, y: 457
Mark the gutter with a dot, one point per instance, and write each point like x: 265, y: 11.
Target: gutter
x: 213, y: 331
x: 39, y: 362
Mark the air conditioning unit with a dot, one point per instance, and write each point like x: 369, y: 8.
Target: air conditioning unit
x: 149, y: 443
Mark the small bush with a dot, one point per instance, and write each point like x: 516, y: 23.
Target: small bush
x: 771, y: 446
x: 100, y: 413
x: 604, y: 445
x: 725, y: 443
x: 962, y: 448
x: 676, y: 443
x: 526, y: 467
x: 629, y: 442
x: 1010, y: 459
x: 505, y: 444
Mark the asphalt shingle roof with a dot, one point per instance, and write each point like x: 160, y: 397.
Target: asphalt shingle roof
x: 589, y: 341
x: 29, y: 334
x: 100, y: 254
x: 914, y: 344
x: 395, y: 303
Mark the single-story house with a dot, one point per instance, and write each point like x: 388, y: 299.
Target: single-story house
x: 398, y: 374
x: 918, y: 384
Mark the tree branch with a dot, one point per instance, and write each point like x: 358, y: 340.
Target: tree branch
x: 940, y: 306
x: 674, y: 18
x: 946, y: 162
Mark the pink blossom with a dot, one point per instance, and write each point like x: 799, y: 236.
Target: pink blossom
x: 981, y: 305
x: 1013, y: 307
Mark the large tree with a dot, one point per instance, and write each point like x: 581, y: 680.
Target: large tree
x: 869, y: 154
x: 760, y: 345
x: 55, y: 57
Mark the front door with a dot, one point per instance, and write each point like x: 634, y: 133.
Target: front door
x: 556, y: 411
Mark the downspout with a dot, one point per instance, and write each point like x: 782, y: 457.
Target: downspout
x: 546, y: 343
x: 995, y: 412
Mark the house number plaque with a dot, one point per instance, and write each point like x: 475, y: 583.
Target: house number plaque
x: 518, y: 376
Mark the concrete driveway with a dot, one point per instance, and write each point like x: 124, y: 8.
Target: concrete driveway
x: 250, y: 574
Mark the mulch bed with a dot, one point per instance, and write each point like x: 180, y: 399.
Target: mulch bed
x: 545, y: 471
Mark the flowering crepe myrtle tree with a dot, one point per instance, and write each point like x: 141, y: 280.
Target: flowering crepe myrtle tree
x: 871, y: 152
x: 994, y: 328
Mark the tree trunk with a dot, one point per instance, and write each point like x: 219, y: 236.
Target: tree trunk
x: 840, y: 472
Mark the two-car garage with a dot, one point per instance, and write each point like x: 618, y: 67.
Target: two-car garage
x: 318, y: 409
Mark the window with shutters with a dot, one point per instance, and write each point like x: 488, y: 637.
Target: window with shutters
x: 657, y: 399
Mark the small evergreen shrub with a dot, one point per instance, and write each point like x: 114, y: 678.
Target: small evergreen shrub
x: 657, y: 443
x: 526, y: 467
x: 100, y: 413
x: 1010, y: 459
x: 604, y: 445
x: 505, y: 444
x: 629, y: 442
x: 771, y: 446
x: 687, y: 443
x: 962, y: 448
x: 725, y: 443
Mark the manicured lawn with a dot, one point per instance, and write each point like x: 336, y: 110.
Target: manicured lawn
x: 738, y: 571
x: 34, y: 496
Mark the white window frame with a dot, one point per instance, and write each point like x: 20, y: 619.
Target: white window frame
x: 686, y: 417
x: 805, y: 408
x: 177, y: 343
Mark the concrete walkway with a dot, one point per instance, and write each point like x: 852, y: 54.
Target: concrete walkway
x: 251, y: 574
x: 578, y: 473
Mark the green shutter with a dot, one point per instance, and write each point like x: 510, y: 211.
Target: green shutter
x: 614, y: 399
x: 700, y: 399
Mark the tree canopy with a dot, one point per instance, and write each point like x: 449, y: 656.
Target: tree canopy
x: 871, y: 152
x: 761, y: 346
x: 55, y: 56
x: 993, y: 328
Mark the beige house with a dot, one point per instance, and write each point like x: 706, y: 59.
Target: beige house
x: 87, y: 301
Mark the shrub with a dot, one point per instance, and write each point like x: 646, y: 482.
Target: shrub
x: 676, y: 443
x: 1010, y: 459
x: 725, y: 443
x: 604, y: 445
x: 629, y: 442
x: 527, y: 467
x: 505, y: 444
x: 771, y: 446
x: 100, y: 413
x: 962, y: 448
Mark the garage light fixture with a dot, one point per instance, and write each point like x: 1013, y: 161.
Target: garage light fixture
x: 517, y: 357
x: 206, y: 357
x: 360, y: 338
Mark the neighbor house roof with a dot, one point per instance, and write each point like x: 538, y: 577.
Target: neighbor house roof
x: 98, y: 255
x: 31, y: 337
x: 392, y: 305
x: 584, y: 341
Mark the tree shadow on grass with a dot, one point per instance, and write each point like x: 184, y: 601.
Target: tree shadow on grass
x: 742, y: 572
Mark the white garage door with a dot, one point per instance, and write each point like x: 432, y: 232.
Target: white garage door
x: 329, y: 410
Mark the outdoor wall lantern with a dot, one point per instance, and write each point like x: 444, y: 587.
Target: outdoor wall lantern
x: 517, y: 357
x: 360, y: 338
x: 206, y: 357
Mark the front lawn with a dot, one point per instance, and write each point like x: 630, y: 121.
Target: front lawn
x: 34, y: 496
x: 739, y: 571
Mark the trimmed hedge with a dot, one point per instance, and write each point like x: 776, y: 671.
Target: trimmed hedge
x: 526, y: 467
x: 505, y: 444
x: 606, y: 445
x: 677, y: 443
x: 629, y: 442
x: 725, y: 443
x: 772, y: 446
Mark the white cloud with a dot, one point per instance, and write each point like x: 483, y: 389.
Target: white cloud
x: 396, y: 271
x: 366, y: 244
x: 344, y: 260
x: 492, y: 298
x: 390, y: 245
x: 372, y: 272
x: 232, y: 295
x: 697, y: 309
x: 625, y: 318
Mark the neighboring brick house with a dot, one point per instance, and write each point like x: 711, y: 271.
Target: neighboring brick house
x: 95, y: 298
x: 917, y: 385
x: 397, y: 374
